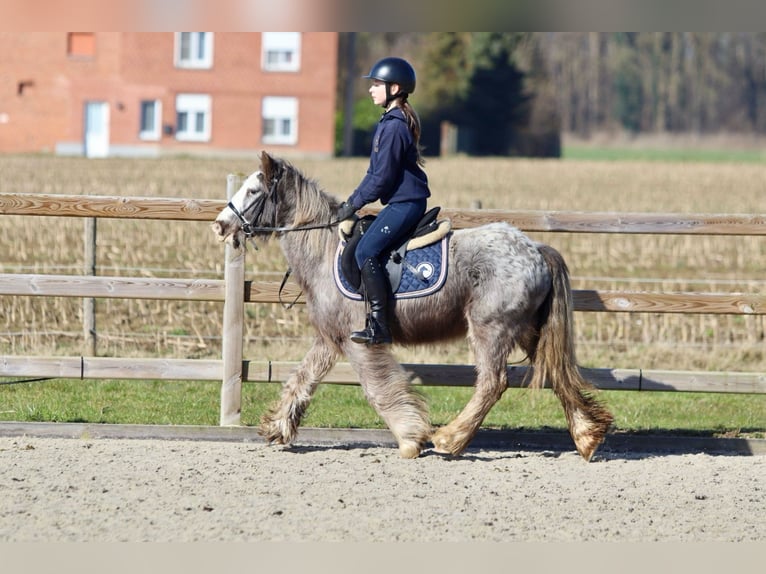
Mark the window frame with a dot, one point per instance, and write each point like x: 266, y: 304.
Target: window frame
x: 192, y: 105
x: 281, y: 43
x: 194, y: 62
x: 280, y: 109
x: 156, y: 132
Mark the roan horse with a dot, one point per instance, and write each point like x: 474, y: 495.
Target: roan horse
x: 503, y: 290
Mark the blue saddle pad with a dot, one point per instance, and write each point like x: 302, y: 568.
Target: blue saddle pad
x: 424, y: 272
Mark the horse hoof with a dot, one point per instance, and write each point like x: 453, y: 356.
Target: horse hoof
x: 409, y: 450
x: 444, y: 445
x: 589, y: 434
x: 587, y: 446
x: 274, y: 433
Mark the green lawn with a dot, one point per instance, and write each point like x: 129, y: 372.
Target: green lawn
x: 593, y: 153
x: 197, y: 403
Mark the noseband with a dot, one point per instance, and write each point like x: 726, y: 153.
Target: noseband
x: 247, y: 227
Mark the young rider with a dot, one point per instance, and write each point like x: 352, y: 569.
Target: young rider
x: 395, y: 178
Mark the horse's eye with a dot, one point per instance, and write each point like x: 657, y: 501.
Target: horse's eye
x: 251, y: 190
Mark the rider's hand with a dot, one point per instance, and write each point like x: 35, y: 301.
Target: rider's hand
x: 345, y: 211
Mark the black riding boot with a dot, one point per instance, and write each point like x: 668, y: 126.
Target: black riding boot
x: 376, y: 331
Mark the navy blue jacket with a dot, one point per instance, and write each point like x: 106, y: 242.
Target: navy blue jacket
x: 394, y: 174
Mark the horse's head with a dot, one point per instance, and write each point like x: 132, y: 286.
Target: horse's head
x: 253, y: 208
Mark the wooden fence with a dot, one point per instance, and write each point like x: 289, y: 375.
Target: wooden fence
x: 234, y: 290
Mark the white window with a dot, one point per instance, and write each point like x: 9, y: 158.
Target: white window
x: 151, y: 117
x: 193, y: 117
x: 194, y: 49
x: 281, y: 51
x: 280, y: 120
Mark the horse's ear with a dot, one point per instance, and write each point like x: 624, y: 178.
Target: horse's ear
x: 267, y: 164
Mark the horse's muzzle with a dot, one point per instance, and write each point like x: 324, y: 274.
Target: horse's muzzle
x: 219, y: 228
x: 228, y: 231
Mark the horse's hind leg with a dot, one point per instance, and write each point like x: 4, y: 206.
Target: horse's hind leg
x: 491, y: 382
x: 280, y: 423
x: 389, y: 391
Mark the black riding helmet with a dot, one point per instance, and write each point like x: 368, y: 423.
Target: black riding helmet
x: 394, y: 71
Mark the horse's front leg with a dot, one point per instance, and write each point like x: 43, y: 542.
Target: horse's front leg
x: 280, y: 424
x: 388, y: 389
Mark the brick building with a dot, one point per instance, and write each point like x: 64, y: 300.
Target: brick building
x: 149, y: 94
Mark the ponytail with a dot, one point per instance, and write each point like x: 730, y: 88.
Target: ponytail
x: 413, y: 122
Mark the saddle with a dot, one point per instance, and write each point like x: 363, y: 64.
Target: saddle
x: 426, y: 237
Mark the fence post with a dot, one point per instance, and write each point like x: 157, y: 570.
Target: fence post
x: 89, y: 303
x: 233, y: 324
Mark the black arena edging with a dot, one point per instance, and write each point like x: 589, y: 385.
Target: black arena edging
x: 623, y: 444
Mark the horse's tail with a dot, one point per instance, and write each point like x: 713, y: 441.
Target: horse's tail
x: 554, y: 361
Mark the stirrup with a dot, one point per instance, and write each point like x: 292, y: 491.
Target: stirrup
x: 373, y: 334
x: 368, y: 337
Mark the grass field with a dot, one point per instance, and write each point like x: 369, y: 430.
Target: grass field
x: 596, y: 153
x: 663, y: 183
x: 666, y: 148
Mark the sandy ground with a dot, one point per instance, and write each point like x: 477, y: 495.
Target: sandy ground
x: 64, y: 489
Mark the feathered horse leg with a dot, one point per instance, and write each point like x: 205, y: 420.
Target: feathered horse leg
x: 555, y: 362
x: 491, y: 346
x: 388, y: 389
x: 280, y: 424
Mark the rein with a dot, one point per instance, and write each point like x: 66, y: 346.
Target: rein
x: 249, y: 229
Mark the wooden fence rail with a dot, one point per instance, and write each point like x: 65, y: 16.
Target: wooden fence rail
x: 556, y: 221
x: 435, y: 375
x: 268, y: 292
x: 234, y: 291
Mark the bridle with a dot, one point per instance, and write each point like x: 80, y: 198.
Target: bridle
x: 249, y: 229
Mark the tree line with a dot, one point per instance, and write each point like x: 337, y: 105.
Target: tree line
x: 697, y: 82
x: 514, y: 93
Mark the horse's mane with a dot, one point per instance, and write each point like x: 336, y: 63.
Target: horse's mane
x: 312, y: 205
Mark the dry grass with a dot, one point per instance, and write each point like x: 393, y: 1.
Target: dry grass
x: 41, y: 326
